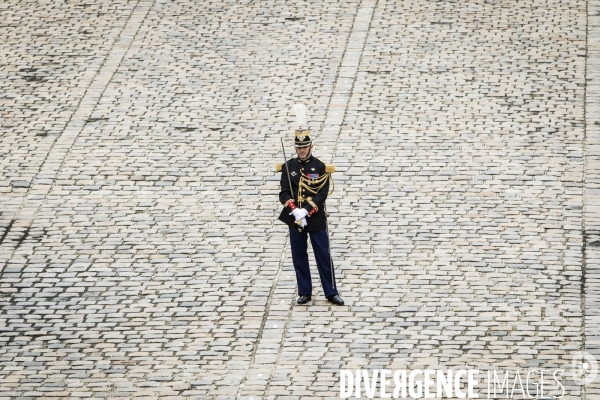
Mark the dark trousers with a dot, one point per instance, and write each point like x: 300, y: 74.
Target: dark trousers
x: 320, y: 244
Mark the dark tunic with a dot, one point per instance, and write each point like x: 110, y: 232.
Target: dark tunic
x: 311, y: 168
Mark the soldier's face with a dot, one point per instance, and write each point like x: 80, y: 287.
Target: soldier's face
x: 303, y: 152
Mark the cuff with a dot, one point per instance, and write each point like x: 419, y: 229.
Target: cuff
x: 290, y: 204
x: 314, y: 208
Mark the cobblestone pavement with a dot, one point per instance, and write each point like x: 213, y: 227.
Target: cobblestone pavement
x: 139, y: 248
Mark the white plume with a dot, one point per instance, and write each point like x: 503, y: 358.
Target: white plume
x: 300, y: 110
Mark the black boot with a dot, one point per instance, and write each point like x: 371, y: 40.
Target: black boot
x: 336, y: 299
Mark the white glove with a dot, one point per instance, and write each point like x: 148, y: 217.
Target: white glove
x: 303, y: 222
x: 299, y: 213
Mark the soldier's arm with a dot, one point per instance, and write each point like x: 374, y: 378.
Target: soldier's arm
x: 285, y: 194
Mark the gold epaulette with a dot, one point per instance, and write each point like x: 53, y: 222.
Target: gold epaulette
x: 329, y: 168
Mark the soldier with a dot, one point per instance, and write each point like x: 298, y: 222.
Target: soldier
x: 304, y: 189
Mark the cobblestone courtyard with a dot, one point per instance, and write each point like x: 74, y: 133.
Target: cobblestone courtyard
x: 140, y: 254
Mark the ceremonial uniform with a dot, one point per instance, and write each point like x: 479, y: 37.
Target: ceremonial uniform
x: 304, y: 189
x: 310, y: 196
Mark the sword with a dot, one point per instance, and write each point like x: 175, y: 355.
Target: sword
x: 287, y: 169
x: 329, y: 245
